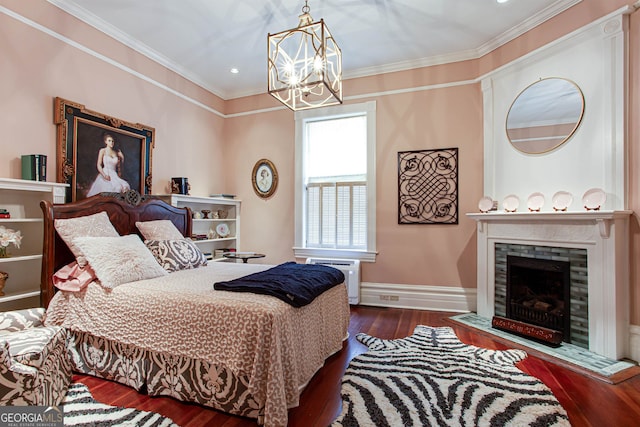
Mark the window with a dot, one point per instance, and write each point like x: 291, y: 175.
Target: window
x: 335, y: 182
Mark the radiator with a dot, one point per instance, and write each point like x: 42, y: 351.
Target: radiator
x: 351, y: 270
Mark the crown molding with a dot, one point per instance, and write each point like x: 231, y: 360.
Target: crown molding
x: 470, y: 54
x: 113, y: 32
x: 108, y: 29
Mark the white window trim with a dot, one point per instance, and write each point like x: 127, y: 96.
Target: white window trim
x: 300, y: 251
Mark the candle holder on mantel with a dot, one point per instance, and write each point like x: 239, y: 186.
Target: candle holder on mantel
x: 205, y: 213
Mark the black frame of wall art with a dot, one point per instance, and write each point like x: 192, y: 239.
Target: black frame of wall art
x: 428, y: 186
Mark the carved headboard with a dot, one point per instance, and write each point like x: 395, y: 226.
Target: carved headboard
x: 124, y: 210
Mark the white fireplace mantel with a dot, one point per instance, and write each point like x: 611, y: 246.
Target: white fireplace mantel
x: 604, y: 234
x: 603, y: 219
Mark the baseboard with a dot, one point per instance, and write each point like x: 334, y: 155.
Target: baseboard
x: 634, y: 343
x: 420, y: 297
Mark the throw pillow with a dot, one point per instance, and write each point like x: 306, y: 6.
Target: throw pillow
x: 161, y: 229
x: 96, y: 225
x: 73, y: 278
x: 118, y: 260
x: 175, y: 255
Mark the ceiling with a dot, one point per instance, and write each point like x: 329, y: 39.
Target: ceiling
x: 203, y: 40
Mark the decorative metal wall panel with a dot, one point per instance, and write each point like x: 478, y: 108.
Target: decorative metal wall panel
x: 428, y: 186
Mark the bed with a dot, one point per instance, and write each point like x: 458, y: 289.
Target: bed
x: 241, y: 353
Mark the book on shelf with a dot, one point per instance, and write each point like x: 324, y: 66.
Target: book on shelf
x: 34, y: 167
x: 224, y: 196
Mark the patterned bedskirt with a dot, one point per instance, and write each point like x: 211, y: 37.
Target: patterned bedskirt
x: 185, y: 379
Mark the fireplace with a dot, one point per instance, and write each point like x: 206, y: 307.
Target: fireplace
x: 538, y: 292
x: 595, y: 244
x: 537, y: 295
x: 544, y: 291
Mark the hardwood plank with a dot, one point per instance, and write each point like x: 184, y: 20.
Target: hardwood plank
x: 588, y: 401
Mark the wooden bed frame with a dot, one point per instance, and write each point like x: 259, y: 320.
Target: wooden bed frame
x: 124, y: 209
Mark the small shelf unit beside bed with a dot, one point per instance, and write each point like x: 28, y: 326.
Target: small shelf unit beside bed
x: 205, y: 230
x: 22, y: 199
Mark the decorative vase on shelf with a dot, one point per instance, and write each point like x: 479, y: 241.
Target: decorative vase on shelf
x: 3, y: 280
x: 7, y: 236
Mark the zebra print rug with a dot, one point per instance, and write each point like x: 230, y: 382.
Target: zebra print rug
x: 81, y: 409
x: 431, y: 378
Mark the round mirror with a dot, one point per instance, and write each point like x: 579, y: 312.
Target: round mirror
x: 545, y: 115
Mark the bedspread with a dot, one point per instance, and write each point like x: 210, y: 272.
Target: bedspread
x: 277, y: 346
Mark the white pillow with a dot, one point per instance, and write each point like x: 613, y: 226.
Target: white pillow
x: 96, y: 225
x: 118, y: 260
x: 161, y: 229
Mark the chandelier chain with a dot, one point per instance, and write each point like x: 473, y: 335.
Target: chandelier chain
x: 306, y: 8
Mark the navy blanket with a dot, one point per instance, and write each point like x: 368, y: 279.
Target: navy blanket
x: 295, y: 284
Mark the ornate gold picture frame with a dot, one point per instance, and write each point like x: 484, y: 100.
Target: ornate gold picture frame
x: 264, y: 178
x: 98, y: 153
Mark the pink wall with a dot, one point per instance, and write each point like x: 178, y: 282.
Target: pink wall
x: 218, y: 154
x: 410, y: 121
x: 448, y: 117
x: 267, y: 225
x: 37, y: 67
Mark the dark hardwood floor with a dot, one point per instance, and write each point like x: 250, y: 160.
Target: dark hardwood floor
x: 588, y: 401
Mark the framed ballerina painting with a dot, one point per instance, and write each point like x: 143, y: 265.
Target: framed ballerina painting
x: 97, y: 153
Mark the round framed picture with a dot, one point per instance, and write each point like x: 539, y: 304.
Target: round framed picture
x: 264, y: 178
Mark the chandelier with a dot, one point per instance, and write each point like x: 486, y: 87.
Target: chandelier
x: 305, y: 65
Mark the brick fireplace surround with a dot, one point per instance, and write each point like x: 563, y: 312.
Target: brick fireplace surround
x: 603, y: 234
